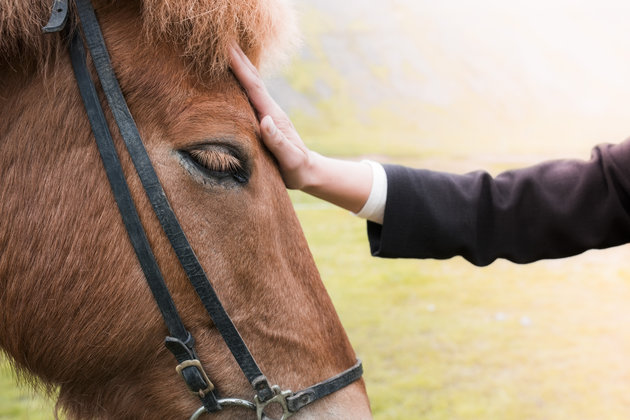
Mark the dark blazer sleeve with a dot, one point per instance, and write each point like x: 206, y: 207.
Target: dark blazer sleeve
x: 551, y: 210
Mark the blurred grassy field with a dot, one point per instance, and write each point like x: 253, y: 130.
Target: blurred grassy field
x: 19, y: 403
x: 446, y: 340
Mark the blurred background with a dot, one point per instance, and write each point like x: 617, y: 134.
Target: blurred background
x: 401, y: 77
x: 457, y: 85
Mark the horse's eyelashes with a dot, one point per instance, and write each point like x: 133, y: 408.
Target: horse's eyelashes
x: 217, y: 163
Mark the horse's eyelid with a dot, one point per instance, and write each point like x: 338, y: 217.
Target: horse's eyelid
x: 216, y: 160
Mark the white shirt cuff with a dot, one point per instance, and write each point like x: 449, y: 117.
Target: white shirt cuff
x: 374, y: 207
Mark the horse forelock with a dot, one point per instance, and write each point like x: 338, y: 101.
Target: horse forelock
x: 203, y: 30
x: 265, y: 29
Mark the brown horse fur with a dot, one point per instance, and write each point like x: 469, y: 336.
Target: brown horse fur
x: 75, y: 310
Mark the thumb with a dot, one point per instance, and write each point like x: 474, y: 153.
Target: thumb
x: 291, y: 158
x: 273, y: 138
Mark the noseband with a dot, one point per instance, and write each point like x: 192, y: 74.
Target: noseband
x: 179, y: 342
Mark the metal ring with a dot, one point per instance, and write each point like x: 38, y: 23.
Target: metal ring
x: 234, y: 402
x: 198, y: 413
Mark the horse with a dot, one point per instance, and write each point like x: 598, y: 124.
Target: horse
x: 77, y: 318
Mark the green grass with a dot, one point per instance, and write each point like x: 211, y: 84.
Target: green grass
x: 446, y: 340
x: 19, y: 402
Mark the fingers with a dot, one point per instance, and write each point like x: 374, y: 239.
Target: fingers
x: 292, y: 159
x: 277, y: 131
x: 238, y: 54
x: 287, y: 153
x: 250, y: 79
x: 272, y: 137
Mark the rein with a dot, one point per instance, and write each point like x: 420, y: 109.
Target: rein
x: 180, y: 342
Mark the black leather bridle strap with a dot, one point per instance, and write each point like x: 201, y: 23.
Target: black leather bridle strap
x: 119, y: 186
x: 161, y: 206
x: 181, y: 342
x: 302, y: 398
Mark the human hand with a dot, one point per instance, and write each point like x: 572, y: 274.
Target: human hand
x: 295, y: 160
x: 343, y: 183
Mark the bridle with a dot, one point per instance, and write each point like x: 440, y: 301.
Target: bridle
x: 179, y: 341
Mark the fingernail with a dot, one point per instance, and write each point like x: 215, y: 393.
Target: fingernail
x: 270, y: 126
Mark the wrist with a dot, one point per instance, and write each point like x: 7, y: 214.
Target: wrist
x: 314, y: 173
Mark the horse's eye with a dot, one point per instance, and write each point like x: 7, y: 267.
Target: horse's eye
x: 217, y: 162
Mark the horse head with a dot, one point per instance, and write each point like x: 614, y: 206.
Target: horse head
x: 75, y: 308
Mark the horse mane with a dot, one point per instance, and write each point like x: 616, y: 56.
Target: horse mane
x: 202, y: 29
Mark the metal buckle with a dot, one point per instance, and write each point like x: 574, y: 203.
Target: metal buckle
x: 280, y: 397
x: 197, y: 364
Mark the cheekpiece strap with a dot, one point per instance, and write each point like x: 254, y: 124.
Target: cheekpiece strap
x: 302, y: 398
